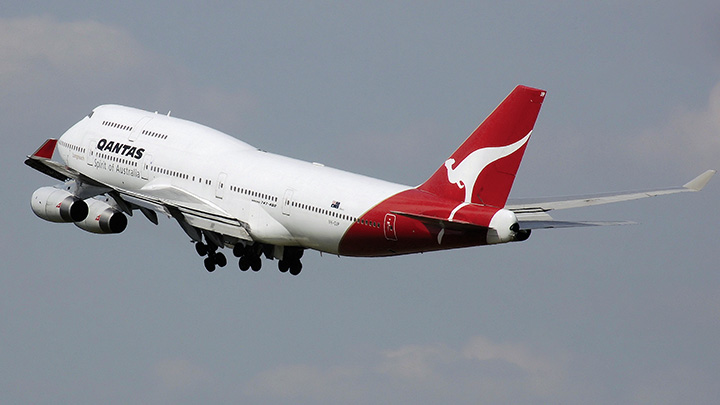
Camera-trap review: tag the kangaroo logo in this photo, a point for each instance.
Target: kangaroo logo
(467, 171)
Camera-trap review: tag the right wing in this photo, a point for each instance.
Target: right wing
(532, 213)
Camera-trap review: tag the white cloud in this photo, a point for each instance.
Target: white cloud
(546, 374)
(306, 382)
(64, 67)
(691, 136)
(174, 379)
(416, 362)
(481, 371)
(180, 374)
(34, 44)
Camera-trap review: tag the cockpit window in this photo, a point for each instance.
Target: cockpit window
(91, 114)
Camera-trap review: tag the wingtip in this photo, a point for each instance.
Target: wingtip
(700, 181)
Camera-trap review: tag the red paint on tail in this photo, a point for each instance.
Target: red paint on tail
(483, 168)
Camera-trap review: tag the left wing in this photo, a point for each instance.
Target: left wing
(532, 214)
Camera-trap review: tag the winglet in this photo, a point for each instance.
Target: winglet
(46, 150)
(700, 181)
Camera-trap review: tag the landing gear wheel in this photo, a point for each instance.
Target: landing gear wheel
(256, 263)
(220, 259)
(209, 264)
(283, 266)
(244, 263)
(238, 250)
(201, 249)
(295, 268)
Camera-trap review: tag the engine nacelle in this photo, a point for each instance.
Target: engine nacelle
(57, 205)
(102, 217)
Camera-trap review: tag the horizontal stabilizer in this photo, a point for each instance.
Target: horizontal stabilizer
(526, 225)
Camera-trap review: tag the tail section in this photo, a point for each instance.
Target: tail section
(483, 168)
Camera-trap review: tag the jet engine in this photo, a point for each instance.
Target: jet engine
(57, 205)
(103, 217)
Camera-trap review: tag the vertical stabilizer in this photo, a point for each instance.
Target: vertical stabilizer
(483, 168)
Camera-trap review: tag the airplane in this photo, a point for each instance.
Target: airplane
(225, 193)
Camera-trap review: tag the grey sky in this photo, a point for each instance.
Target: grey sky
(614, 315)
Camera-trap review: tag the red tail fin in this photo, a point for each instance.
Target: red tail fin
(483, 168)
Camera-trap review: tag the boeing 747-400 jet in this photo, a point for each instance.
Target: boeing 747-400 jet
(225, 193)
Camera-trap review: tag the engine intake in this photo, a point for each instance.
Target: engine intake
(57, 205)
(102, 218)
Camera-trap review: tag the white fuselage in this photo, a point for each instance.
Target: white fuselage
(281, 201)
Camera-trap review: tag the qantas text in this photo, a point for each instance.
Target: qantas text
(125, 150)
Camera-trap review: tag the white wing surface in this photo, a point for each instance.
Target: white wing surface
(533, 213)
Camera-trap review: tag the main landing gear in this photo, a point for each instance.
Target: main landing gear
(291, 261)
(214, 258)
(249, 257)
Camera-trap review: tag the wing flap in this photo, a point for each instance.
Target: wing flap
(187, 207)
(223, 228)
